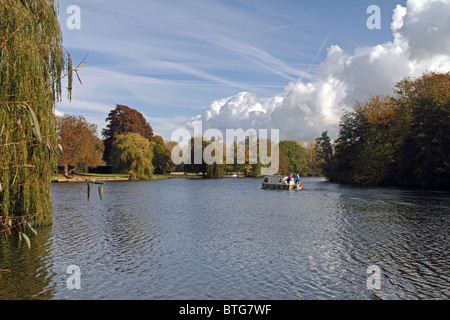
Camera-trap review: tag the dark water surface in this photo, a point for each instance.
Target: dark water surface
(229, 239)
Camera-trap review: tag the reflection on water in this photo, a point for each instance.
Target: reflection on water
(229, 239)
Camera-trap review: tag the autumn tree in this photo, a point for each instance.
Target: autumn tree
(402, 139)
(132, 154)
(283, 168)
(312, 159)
(80, 144)
(124, 119)
(173, 167)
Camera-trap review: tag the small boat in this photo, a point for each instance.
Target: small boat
(281, 182)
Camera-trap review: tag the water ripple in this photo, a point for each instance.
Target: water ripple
(228, 239)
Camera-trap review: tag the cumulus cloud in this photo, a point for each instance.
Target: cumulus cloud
(59, 113)
(304, 109)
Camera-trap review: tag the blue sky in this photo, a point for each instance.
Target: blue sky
(171, 59)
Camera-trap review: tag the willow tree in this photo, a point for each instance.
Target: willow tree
(132, 154)
(33, 64)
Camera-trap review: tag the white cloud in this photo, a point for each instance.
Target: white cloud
(59, 113)
(305, 109)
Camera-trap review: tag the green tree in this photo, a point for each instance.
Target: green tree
(124, 119)
(199, 167)
(216, 171)
(33, 63)
(376, 158)
(424, 159)
(325, 155)
(353, 128)
(161, 156)
(296, 156)
(132, 154)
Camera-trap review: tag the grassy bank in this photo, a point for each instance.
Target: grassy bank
(59, 178)
(177, 176)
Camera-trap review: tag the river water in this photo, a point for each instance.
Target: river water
(229, 239)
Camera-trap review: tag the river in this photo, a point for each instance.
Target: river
(229, 239)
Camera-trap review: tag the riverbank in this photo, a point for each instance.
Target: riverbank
(90, 176)
(118, 177)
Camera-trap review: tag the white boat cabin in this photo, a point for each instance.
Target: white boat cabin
(280, 182)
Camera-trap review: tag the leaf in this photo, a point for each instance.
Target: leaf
(20, 240)
(78, 77)
(1, 189)
(100, 191)
(60, 148)
(27, 240)
(31, 228)
(28, 166)
(35, 125)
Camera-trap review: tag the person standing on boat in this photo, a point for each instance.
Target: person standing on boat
(298, 181)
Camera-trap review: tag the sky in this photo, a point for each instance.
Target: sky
(291, 65)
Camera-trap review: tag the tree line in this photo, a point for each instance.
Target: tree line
(130, 146)
(392, 140)
(396, 140)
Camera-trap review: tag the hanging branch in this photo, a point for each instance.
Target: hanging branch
(21, 26)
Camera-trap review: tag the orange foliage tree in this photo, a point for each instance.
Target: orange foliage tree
(80, 144)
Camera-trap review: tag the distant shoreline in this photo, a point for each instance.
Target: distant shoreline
(117, 177)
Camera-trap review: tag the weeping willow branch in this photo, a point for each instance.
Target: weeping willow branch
(33, 63)
(21, 26)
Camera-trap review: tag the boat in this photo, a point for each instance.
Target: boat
(281, 182)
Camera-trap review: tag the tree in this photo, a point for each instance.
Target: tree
(376, 157)
(400, 140)
(312, 160)
(132, 154)
(325, 154)
(216, 171)
(283, 168)
(196, 167)
(177, 168)
(352, 134)
(80, 144)
(33, 64)
(124, 119)
(161, 156)
(424, 158)
(296, 157)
